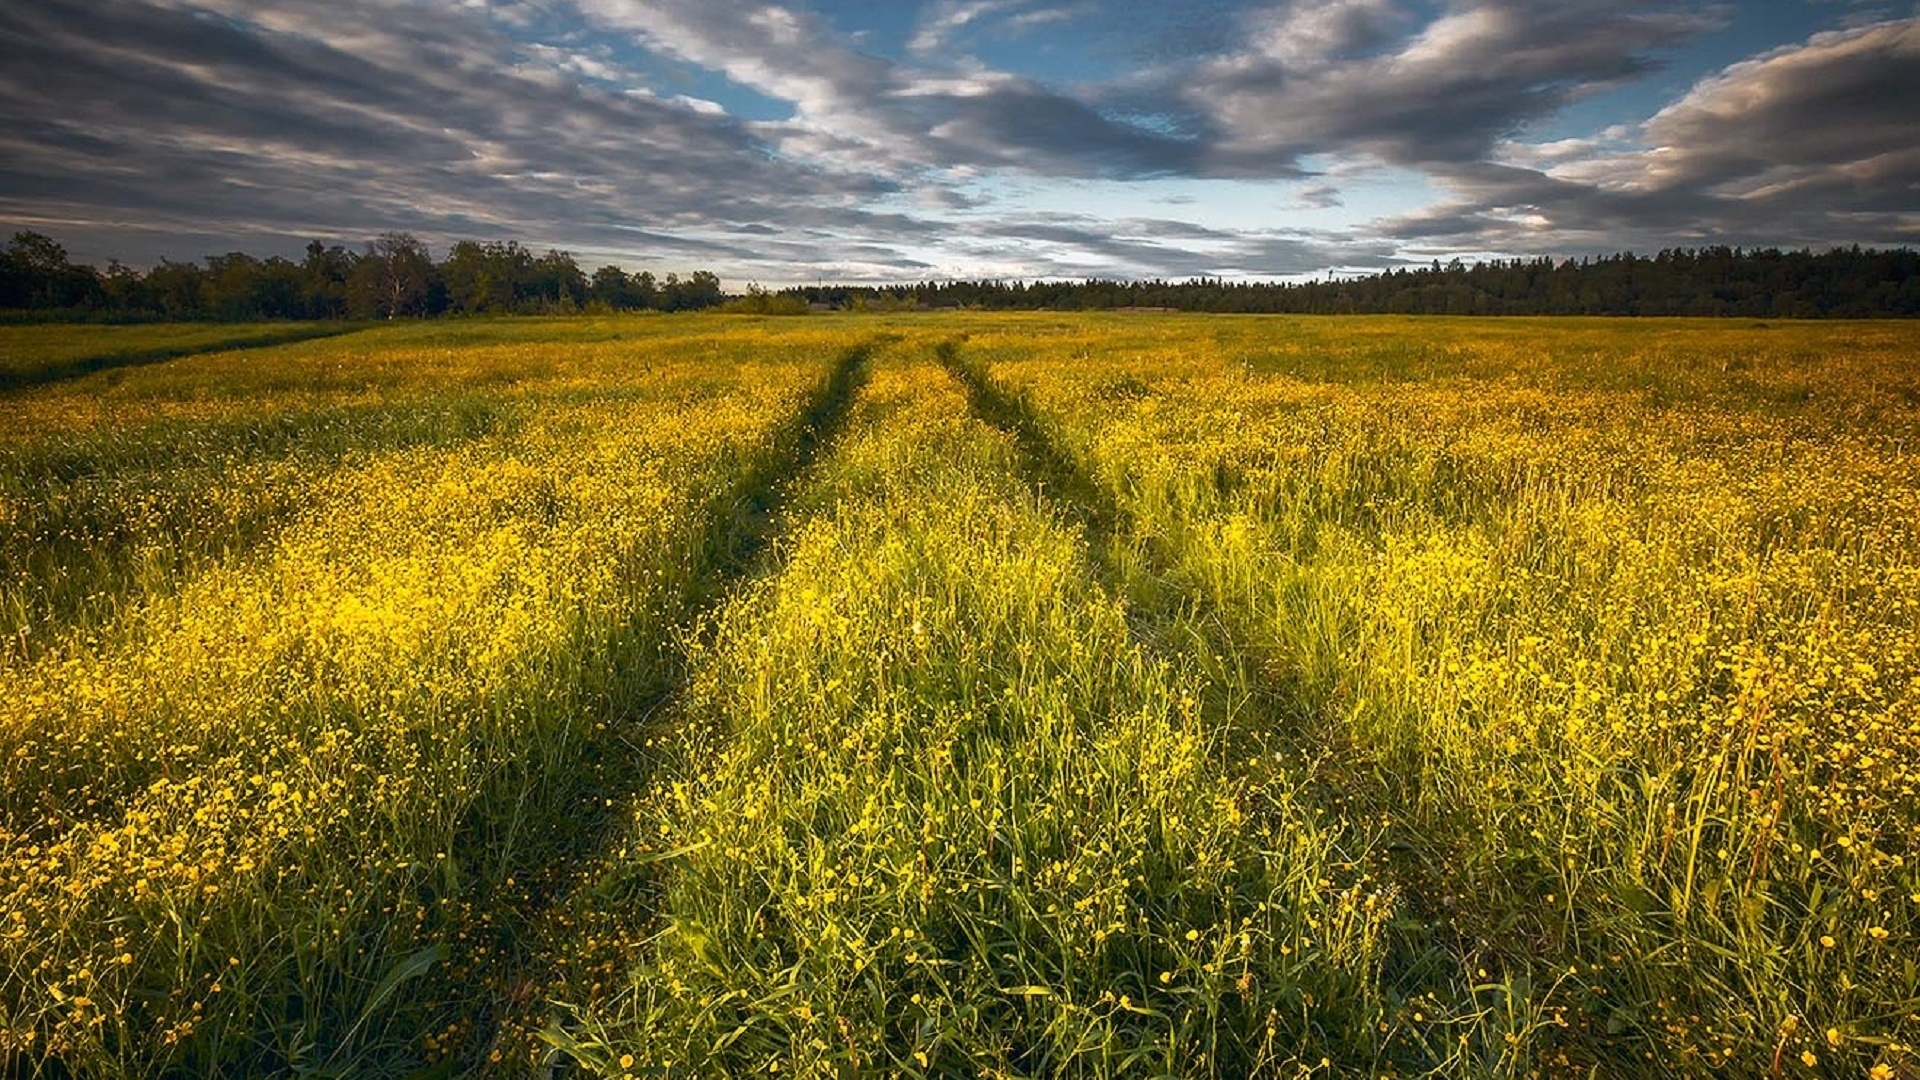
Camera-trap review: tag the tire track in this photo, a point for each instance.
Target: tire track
(1256, 710)
(743, 526)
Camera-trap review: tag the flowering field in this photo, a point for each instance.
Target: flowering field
(966, 695)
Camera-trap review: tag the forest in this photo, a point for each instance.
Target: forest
(396, 276)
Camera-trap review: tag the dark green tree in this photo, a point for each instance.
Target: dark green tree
(487, 277)
(323, 280)
(176, 290)
(559, 286)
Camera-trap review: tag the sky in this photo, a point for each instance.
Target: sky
(801, 141)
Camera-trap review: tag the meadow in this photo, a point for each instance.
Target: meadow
(961, 695)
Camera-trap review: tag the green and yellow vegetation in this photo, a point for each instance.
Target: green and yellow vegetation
(969, 695)
(47, 352)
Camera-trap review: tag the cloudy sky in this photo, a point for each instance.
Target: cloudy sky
(800, 140)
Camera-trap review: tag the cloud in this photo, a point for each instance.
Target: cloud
(1318, 196)
(1157, 247)
(293, 118)
(864, 111)
(944, 19)
(1811, 144)
(131, 127)
(1836, 112)
(1368, 77)
(1027, 20)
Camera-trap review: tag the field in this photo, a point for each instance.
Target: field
(961, 695)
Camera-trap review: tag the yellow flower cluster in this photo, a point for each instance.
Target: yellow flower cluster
(943, 810)
(1108, 694)
(256, 793)
(1629, 616)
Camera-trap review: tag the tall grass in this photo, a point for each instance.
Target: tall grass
(277, 819)
(128, 483)
(1163, 696)
(936, 812)
(32, 355)
(1637, 669)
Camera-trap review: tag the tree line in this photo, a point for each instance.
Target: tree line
(393, 277)
(396, 276)
(1712, 281)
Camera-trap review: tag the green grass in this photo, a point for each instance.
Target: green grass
(1624, 668)
(31, 355)
(933, 809)
(278, 817)
(1023, 695)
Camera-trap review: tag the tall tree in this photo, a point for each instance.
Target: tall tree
(35, 273)
(323, 280)
(176, 289)
(559, 284)
(395, 278)
(486, 277)
(611, 286)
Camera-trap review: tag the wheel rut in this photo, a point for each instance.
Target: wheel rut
(742, 528)
(1272, 714)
